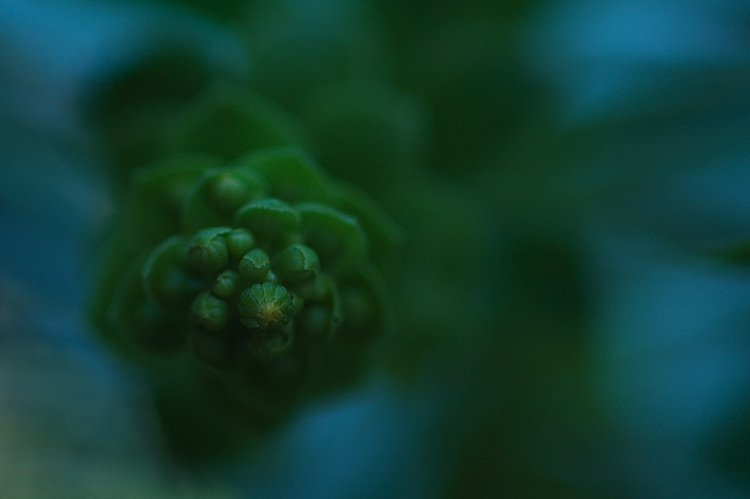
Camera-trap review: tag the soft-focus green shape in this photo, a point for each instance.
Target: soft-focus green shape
(164, 276)
(292, 174)
(368, 132)
(227, 122)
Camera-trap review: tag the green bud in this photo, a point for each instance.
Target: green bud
(265, 306)
(296, 264)
(268, 218)
(296, 305)
(321, 317)
(314, 290)
(207, 251)
(216, 196)
(254, 266)
(227, 192)
(226, 284)
(212, 312)
(239, 242)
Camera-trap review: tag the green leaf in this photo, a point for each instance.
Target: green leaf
(367, 133)
(166, 281)
(135, 326)
(336, 237)
(367, 305)
(383, 232)
(292, 174)
(228, 122)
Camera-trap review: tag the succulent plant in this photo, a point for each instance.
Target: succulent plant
(253, 283)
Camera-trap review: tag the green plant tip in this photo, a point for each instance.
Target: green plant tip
(226, 284)
(212, 312)
(227, 192)
(239, 242)
(255, 265)
(266, 306)
(208, 250)
(296, 264)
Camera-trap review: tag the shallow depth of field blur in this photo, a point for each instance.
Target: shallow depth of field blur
(574, 181)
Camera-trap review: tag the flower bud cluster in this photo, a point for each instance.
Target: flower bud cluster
(258, 275)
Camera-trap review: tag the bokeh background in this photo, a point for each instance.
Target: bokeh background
(574, 182)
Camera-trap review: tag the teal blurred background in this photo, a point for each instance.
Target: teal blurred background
(573, 180)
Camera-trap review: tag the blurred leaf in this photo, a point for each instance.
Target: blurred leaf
(228, 122)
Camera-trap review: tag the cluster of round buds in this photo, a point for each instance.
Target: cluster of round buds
(261, 276)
